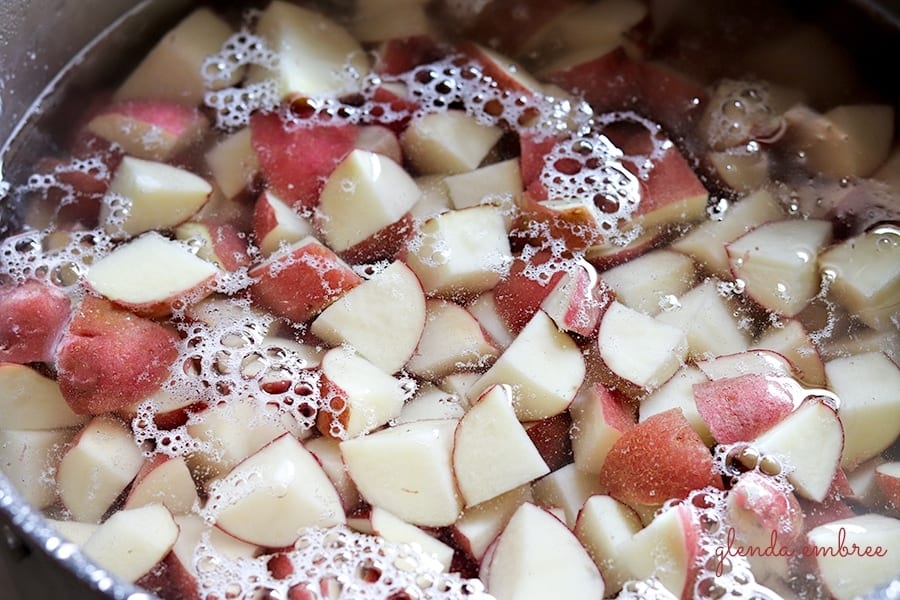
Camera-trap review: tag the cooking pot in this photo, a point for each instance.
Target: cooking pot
(50, 49)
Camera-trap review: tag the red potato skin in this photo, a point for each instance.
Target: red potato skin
(833, 507)
(671, 180)
(608, 82)
(617, 412)
(518, 296)
(774, 508)
(532, 151)
(741, 408)
(551, 438)
(509, 24)
(230, 249)
(296, 162)
(32, 317)
(292, 285)
(889, 487)
(388, 243)
(110, 358)
(169, 116)
(336, 409)
(76, 195)
(658, 459)
(401, 55)
(119, 121)
(614, 81)
(402, 106)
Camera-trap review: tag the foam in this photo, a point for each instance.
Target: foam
(54, 257)
(233, 105)
(362, 566)
(742, 111)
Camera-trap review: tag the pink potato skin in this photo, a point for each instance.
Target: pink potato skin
(298, 286)
(110, 358)
(656, 460)
(32, 316)
(155, 129)
(741, 408)
(229, 246)
(296, 162)
(519, 296)
(772, 507)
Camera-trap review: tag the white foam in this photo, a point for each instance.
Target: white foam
(364, 567)
(54, 257)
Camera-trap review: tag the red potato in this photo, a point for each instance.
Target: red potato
(151, 275)
(672, 193)
(32, 316)
(847, 574)
(577, 301)
(599, 418)
(833, 507)
(533, 149)
(163, 480)
(149, 128)
(551, 438)
(276, 223)
(566, 489)
(284, 502)
(296, 160)
(508, 75)
(603, 525)
(662, 194)
(179, 576)
(361, 396)
(146, 195)
(811, 473)
(109, 358)
(492, 454)
(32, 401)
(510, 25)
(99, 464)
(479, 525)
(741, 408)
(173, 68)
(380, 140)
(536, 556)
(388, 305)
(757, 504)
(761, 510)
(363, 211)
(132, 542)
(318, 58)
(668, 548)
(377, 521)
(222, 244)
(610, 79)
(400, 55)
(887, 478)
(606, 77)
(301, 280)
(519, 295)
(658, 459)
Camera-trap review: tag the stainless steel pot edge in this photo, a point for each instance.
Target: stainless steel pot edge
(36, 531)
(26, 522)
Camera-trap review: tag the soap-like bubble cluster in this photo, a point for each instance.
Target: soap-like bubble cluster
(228, 351)
(740, 112)
(59, 179)
(333, 563)
(56, 257)
(233, 104)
